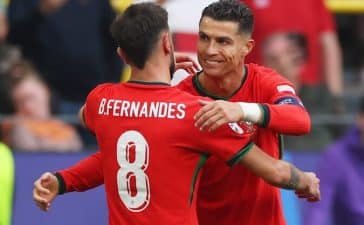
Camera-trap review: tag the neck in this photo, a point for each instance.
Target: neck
(152, 72)
(224, 86)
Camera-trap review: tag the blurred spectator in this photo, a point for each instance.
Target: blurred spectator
(32, 127)
(342, 180)
(6, 184)
(286, 52)
(9, 55)
(312, 19)
(69, 42)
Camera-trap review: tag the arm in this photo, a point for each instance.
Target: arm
(283, 118)
(282, 174)
(332, 67)
(83, 176)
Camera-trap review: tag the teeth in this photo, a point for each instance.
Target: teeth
(212, 61)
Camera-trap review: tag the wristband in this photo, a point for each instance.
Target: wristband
(252, 112)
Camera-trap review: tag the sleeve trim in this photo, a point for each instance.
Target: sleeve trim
(266, 115)
(61, 184)
(240, 154)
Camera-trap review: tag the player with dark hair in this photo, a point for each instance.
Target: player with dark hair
(139, 166)
(258, 96)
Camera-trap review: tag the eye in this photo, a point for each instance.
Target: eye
(203, 37)
(223, 41)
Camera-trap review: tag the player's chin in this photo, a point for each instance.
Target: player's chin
(213, 71)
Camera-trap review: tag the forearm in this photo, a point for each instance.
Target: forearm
(278, 173)
(332, 63)
(84, 175)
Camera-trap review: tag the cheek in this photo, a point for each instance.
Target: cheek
(232, 55)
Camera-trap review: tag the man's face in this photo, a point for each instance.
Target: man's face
(284, 56)
(220, 48)
(31, 99)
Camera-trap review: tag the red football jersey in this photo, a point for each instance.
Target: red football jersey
(235, 196)
(292, 16)
(151, 152)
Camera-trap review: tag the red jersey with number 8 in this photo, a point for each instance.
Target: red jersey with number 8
(152, 152)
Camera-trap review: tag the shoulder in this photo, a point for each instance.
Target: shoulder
(101, 89)
(269, 78)
(186, 83)
(265, 73)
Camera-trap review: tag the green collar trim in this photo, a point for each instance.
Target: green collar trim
(148, 83)
(203, 92)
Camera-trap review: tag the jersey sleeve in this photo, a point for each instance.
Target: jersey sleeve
(283, 110)
(92, 104)
(229, 142)
(84, 175)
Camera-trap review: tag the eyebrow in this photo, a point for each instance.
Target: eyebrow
(218, 37)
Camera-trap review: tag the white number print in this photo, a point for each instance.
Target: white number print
(133, 183)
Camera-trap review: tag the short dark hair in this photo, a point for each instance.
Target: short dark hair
(138, 29)
(231, 10)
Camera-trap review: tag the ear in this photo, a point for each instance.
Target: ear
(122, 55)
(167, 43)
(248, 47)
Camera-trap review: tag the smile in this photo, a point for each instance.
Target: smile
(213, 62)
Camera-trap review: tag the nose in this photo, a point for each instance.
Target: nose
(211, 48)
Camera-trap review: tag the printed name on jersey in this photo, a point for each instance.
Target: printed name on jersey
(289, 100)
(123, 108)
(286, 88)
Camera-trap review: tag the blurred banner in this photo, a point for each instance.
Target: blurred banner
(89, 208)
(346, 6)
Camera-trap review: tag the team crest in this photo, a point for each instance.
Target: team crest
(236, 128)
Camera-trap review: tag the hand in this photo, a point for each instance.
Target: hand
(49, 6)
(45, 190)
(186, 62)
(213, 114)
(312, 191)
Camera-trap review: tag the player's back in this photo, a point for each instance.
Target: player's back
(150, 151)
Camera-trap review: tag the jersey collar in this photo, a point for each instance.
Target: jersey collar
(203, 92)
(147, 83)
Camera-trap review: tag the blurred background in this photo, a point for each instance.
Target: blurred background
(53, 52)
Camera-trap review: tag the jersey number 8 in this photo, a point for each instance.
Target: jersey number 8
(133, 183)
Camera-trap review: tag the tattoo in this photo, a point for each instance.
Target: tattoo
(294, 180)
